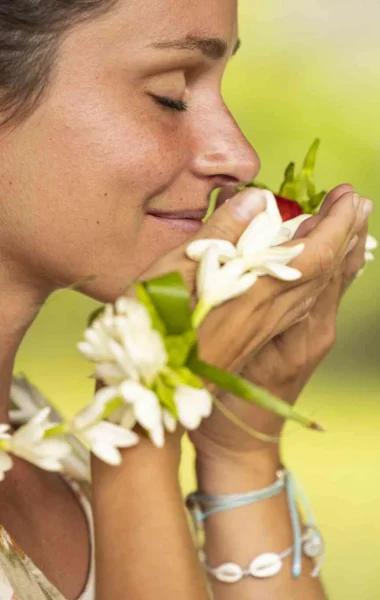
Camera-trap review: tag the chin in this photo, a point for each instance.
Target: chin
(156, 239)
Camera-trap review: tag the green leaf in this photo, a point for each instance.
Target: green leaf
(171, 300)
(311, 157)
(246, 390)
(143, 296)
(288, 187)
(311, 188)
(188, 378)
(165, 392)
(289, 190)
(178, 347)
(290, 172)
(211, 206)
(181, 376)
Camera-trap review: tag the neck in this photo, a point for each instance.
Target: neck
(20, 301)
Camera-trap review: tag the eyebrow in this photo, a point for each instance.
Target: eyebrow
(213, 48)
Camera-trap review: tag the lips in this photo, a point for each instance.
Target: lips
(186, 220)
(190, 215)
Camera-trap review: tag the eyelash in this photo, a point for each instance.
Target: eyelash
(177, 105)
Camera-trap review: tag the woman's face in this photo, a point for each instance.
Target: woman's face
(103, 178)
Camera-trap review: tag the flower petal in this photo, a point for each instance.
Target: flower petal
(279, 254)
(258, 236)
(169, 421)
(221, 282)
(293, 224)
(107, 453)
(53, 448)
(240, 287)
(283, 236)
(371, 243)
(94, 411)
(192, 404)
(122, 358)
(282, 272)
(109, 373)
(135, 311)
(197, 249)
(111, 434)
(368, 256)
(272, 207)
(45, 462)
(157, 435)
(208, 268)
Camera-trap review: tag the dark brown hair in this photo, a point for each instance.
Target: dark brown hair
(30, 32)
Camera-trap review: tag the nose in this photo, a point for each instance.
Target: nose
(223, 154)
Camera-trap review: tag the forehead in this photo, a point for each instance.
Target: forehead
(155, 19)
(125, 38)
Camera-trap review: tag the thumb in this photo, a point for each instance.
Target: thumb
(232, 218)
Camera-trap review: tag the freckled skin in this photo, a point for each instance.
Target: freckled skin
(100, 151)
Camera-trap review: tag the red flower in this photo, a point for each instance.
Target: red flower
(289, 209)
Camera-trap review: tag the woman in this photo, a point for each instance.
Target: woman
(113, 136)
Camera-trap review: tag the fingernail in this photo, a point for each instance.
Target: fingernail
(248, 203)
(356, 200)
(352, 244)
(367, 207)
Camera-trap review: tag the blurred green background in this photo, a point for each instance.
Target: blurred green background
(304, 70)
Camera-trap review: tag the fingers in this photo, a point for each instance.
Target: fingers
(306, 227)
(326, 244)
(334, 195)
(354, 261)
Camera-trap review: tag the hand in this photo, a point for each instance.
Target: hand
(267, 308)
(284, 364)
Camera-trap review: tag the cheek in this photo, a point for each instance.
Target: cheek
(84, 176)
(120, 138)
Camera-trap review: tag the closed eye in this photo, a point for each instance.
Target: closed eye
(178, 105)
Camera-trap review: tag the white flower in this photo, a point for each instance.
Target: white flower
(169, 421)
(93, 412)
(146, 410)
(193, 405)
(129, 355)
(273, 261)
(123, 344)
(289, 229)
(258, 244)
(371, 244)
(227, 271)
(28, 443)
(218, 283)
(104, 439)
(6, 462)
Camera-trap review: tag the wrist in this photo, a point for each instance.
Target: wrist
(237, 473)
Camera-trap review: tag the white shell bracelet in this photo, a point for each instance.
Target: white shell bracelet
(265, 565)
